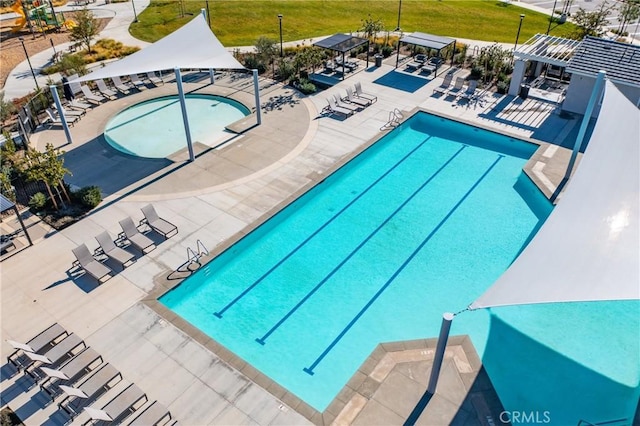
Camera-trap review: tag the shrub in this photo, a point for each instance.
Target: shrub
(387, 51)
(90, 196)
(37, 201)
(252, 63)
(502, 87)
(477, 72)
(307, 87)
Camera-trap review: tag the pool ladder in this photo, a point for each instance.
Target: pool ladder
(395, 117)
(193, 256)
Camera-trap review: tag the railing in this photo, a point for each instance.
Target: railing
(395, 117)
(193, 256)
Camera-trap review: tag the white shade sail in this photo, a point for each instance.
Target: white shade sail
(589, 247)
(191, 46)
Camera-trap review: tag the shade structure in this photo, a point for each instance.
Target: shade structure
(588, 249)
(341, 42)
(191, 46)
(429, 41)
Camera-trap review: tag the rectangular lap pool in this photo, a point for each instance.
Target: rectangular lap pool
(420, 223)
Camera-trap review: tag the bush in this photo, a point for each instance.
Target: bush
(90, 196)
(387, 51)
(502, 87)
(307, 87)
(252, 63)
(38, 201)
(477, 72)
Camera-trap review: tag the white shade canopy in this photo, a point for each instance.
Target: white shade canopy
(589, 248)
(191, 46)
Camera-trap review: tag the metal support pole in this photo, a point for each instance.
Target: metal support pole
(281, 50)
(553, 12)
(208, 14)
(399, 13)
(63, 119)
(29, 62)
(518, 35)
(55, 54)
(256, 89)
(135, 15)
(447, 317)
(185, 118)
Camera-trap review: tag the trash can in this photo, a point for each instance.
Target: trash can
(524, 91)
(378, 59)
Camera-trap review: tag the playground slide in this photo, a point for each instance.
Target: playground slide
(21, 20)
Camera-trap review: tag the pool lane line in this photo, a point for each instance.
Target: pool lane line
(309, 370)
(262, 339)
(317, 231)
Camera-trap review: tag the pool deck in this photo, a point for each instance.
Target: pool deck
(225, 193)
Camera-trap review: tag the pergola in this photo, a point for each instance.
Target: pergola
(343, 43)
(429, 41)
(6, 204)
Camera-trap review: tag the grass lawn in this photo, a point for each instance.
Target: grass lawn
(241, 22)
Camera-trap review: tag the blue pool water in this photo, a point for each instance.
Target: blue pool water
(154, 128)
(419, 224)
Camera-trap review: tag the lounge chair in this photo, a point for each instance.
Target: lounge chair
(152, 415)
(131, 233)
(67, 113)
(90, 389)
(158, 224)
(470, 93)
(154, 79)
(62, 351)
(70, 372)
(341, 104)
(90, 265)
(355, 100)
(136, 82)
(90, 96)
(77, 105)
(444, 86)
(361, 94)
(335, 109)
(118, 84)
(102, 88)
(112, 251)
(38, 344)
(457, 87)
(120, 407)
(54, 119)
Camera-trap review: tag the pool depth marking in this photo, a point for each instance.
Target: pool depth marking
(316, 232)
(309, 370)
(262, 339)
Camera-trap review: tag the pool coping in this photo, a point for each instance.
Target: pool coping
(165, 282)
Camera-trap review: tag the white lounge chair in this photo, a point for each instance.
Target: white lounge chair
(335, 109)
(77, 105)
(131, 233)
(90, 265)
(361, 94)
(470, 93)
(118, 84)
(90, 96)
(112, 251)
(102, 87)
(136, 82)
(54, 119)
(457, 87)
(154, 79)
(158, 224)
(355, 100)
(341, 104)
(67, 113)
(445, 85)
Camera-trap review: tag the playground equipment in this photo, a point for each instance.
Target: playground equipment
(42, 14)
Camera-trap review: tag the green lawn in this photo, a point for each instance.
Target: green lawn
(241, 22)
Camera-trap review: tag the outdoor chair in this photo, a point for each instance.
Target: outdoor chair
(90, 389)
(6, 243)
(89, 264)
(335, 109)
(118, 84)
(112, 251)
(354, 100)
(75, 87)
(77, 105)
(59, 353)
(361, 94)
(119, 408)
(152, 415)
(341, 104)
(457, 87)
(413, 66)
(67, 113)
(131, 233)
(154, 79)
(90, 96)
(54, 119)
(158, 224)
(445, 85)
(70, 372)
(470, 93)
(102, 88)
(38, 344)
(136, 82)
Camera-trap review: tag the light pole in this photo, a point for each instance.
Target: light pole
(518, 35)
(29, 62)
(135, 15)
(208, 14)
(280, 19)
(553, 12)
(399, 12)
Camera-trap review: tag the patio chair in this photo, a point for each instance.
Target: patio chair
(136, 82)
(333, 108)
(470, 93)
(154, 79)
(77, 105)
(457, 87)
(54, 119)
(158, 224)
(89, 264)
(354, 100)
(361, 94)
(118, 84)
(59, 353)
(38, 344)
(67, 113)
(341, 104)
(413, 66)
(445, 85)
(152, 415)
(119, 408)
(70, 372)
(102, 88)
(112, 251)
(90, 389)
(90, 96)
(131, 233)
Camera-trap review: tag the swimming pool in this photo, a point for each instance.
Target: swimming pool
(154, 128)
(420, 223)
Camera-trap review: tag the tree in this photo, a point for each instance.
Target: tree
(592, 23)
(629, 12)
(47, 167)
(86, 28)
(371, 27)
(7, 108)
(266, 49)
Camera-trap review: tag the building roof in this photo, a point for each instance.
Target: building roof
(621, 61)
(548, 49)
(427, 40)
(341, 42)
